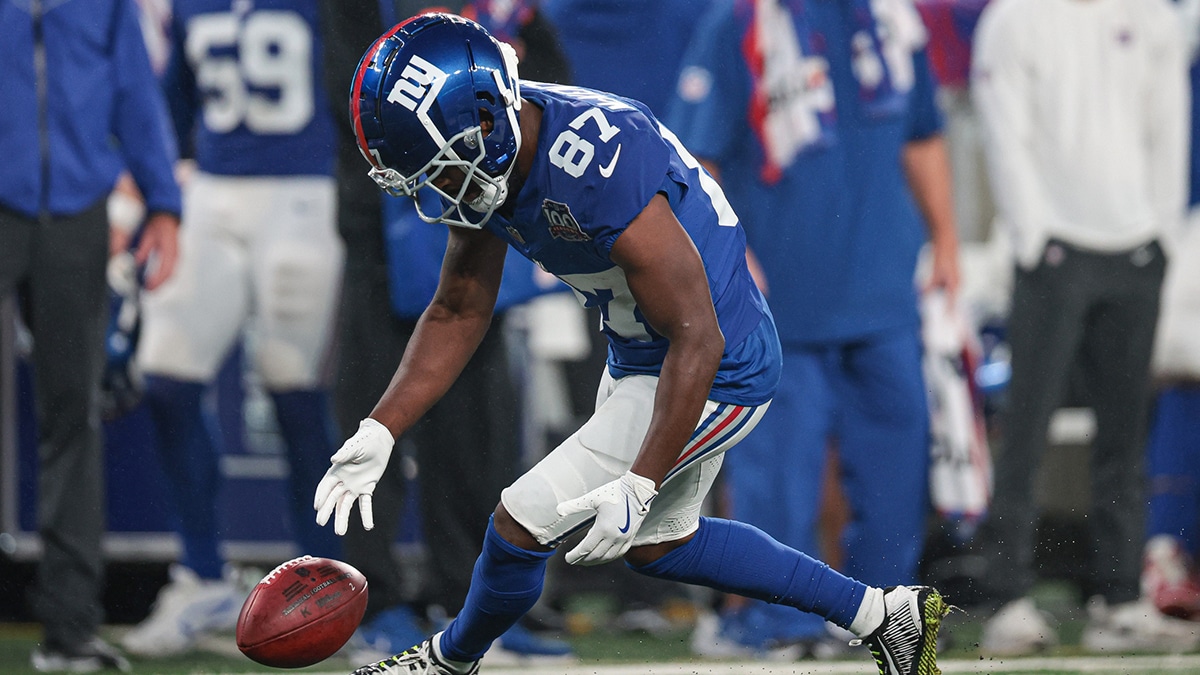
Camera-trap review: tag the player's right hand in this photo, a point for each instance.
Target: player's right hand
(355, 470)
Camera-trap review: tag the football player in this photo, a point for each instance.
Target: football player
(258, 243)
(594, 190)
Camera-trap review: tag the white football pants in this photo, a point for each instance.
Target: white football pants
(604, 448)
(254, 252)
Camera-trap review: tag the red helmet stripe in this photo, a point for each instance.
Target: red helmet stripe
(355, 100)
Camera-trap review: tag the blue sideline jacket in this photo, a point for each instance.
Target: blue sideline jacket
(90, 107)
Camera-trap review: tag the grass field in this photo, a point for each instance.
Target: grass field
(605, 653)
(602, 650)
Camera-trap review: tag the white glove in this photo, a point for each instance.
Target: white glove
(357, 467)
(620, 507)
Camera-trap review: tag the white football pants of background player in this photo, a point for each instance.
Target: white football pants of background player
(261, 248)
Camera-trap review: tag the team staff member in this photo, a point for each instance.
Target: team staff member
(1083, 107)
(74, 77)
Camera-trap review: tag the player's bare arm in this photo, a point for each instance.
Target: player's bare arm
(667, 278)
(927, 167)
(446, 336)
(449, 330)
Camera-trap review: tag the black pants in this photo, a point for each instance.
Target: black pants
(1096, 312)
(59, 263)
(467, 447)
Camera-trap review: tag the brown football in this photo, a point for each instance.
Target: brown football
(302, 612)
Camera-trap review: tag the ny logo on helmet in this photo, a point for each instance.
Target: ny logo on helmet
(421, 80)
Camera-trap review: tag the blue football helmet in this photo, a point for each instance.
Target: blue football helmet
(419, 102)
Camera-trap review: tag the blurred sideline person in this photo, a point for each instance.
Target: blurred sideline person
(76, 77)
(1170, 577)
(1084, 107)
(467, 446)
(258, 249)
(599, 194)
(819, 120)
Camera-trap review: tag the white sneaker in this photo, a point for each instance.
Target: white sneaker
(1136, 627)
(86, 657)
(644, 620)
(1016, 630)
(186, 609)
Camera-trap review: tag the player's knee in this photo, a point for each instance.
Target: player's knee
(531, 503)
(513, 532)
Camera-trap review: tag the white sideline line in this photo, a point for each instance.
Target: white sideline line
(1189, 663)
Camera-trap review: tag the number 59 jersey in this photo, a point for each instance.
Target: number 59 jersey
(600, 160)
(245, 87)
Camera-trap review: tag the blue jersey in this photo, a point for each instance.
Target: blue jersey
(246, 89)
(600, 160)
(627, 47)
(836, 229)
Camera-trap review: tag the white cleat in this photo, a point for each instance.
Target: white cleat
(1136, 627)
(187, 609)
(1018, 629)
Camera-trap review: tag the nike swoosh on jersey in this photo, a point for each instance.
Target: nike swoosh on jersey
(607, 170)
(625, 529)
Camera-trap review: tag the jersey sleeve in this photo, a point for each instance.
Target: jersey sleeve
(924, 115)
(708, 108)
(140, 120)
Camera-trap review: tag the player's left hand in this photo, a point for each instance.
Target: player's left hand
(620, 507)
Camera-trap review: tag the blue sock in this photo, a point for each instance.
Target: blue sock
(306, 423)
(188, 453)
(1173, 466)
(506, 584)
(734, 557)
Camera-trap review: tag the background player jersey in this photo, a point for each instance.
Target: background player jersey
(652, 36)
(842, 267)
(245, 87)
(600, 160)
